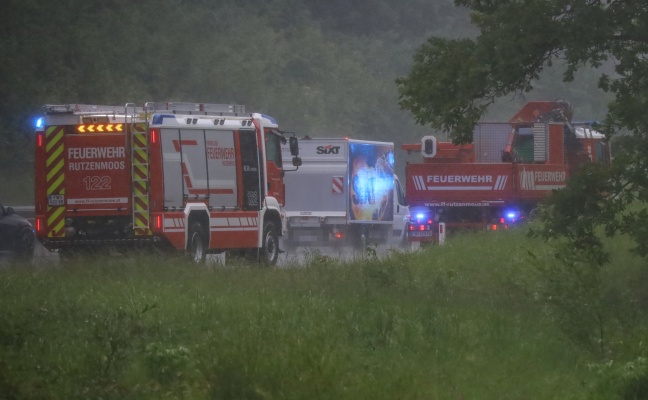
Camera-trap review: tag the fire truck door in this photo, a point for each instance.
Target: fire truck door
(199, 166)
(250, 170)
(274, 167)
(193, 164)
(172, 158)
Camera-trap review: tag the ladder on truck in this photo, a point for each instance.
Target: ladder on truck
(194, 108)
(140, 169)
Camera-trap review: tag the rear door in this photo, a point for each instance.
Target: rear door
(97, 172)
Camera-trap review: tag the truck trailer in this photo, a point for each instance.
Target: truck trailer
(193, 177)
(499, 179)
(344, 193)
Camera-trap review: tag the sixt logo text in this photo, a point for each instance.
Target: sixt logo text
(330, 149)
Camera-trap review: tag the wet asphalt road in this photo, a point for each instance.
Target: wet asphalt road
(289, 257)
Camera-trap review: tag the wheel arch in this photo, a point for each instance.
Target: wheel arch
(272, 215)
(201, 216)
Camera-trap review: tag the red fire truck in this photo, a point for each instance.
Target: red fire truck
(200, 178)
(499, 178)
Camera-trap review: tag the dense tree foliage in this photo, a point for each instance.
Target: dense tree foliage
(453, 82)
(320, 68)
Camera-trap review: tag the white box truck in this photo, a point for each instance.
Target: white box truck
(344, 193)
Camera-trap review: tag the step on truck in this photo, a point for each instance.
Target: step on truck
(197, 178)
(344, 193)
(499, 179)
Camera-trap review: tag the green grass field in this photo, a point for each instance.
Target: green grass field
(474, 319)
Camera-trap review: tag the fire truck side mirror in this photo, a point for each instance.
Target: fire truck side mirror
(428, 146)
(294, 146)
(296, 161)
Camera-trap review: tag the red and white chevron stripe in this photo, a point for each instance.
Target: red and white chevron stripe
(338, 182)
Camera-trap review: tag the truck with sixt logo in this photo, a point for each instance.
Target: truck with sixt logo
(344, 193)
(501, 177)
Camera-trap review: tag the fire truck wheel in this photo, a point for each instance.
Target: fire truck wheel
(270, 249)
(196, 243)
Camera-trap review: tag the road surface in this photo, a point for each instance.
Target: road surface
(298, 256)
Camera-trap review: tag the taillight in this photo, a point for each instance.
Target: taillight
(155, 136)
(39, 138)
(39, 224)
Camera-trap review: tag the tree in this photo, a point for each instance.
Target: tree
(453, 82)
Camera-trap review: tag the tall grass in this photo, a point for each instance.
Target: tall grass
(467, 320)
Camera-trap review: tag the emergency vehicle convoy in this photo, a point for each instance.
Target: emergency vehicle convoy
(199, 178)
(502, 176)
(345, 192)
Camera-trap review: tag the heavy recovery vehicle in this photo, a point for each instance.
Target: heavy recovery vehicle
(500, 178)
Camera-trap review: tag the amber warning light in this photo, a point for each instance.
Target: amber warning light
(100, 128)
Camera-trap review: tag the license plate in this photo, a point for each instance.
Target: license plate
(420, 234)
(56, 200)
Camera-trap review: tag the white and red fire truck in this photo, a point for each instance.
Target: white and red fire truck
(198, 178)
(499, 178)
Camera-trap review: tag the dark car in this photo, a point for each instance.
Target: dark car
(16, 235)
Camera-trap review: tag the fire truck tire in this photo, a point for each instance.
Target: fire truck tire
(196, 243)
(270, 250)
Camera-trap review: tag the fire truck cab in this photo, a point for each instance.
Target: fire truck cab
(199, 178)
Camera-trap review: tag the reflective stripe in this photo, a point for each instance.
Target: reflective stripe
(55, 178)
(140, 176)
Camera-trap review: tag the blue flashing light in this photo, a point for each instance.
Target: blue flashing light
(274, 121)
(158, 119)
(420, 216)
(40, 122)
(512, 215)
